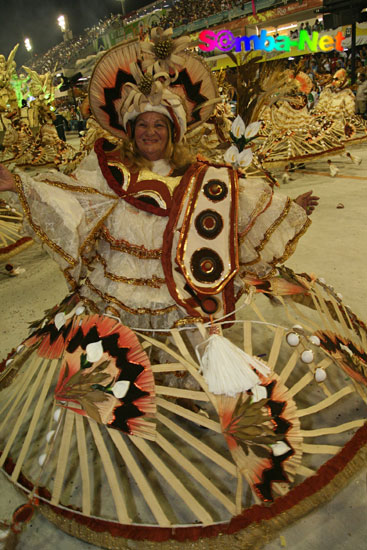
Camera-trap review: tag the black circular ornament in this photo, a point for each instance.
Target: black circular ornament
(215, 190)
(206, 265)
(209, 224)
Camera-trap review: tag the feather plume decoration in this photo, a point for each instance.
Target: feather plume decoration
(246, 83)
(254, 84)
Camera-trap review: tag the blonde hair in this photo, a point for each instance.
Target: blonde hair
(178, 155)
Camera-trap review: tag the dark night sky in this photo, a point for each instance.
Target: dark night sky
(37, 20)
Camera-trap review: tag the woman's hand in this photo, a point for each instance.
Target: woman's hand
(7, 182)
(307, 201)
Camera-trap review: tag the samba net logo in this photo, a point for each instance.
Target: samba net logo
(225, 41)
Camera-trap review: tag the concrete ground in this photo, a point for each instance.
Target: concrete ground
(333, 248)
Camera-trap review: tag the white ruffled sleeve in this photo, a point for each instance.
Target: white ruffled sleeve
(65, 212)
(269, 227)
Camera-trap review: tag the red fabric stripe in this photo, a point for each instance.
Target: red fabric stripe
(11, 247)
(115, 186)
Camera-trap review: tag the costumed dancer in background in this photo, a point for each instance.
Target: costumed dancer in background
(148, 235)
(337, 103)
(294, 136)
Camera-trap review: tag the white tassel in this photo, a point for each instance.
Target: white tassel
(227, 369)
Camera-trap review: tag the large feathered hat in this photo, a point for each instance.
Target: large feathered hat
(154, 75)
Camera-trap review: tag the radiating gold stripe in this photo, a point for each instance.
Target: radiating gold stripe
(78, 188)
(288, 251)
(138, 311)
(36, 228)
(91, 238)
(274, 225)
(264, 198)
(154, 282)
(134, 249)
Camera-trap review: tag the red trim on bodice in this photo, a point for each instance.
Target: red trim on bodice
(153, 185)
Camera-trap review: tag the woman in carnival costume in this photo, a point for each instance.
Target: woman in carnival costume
(292, 133)
(337, 103)
(149, 236)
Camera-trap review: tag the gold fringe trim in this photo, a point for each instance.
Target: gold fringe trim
(264, 197)
(91, 237)
(290, 246)
(134, 249)
(78, 189)
(36, 228)
(92, 306)
(268, 233)
(274, 226)
(288, 251)
(154, 282)
(253, 537)
(112, 311)
(133, 311)
(69, 278)
(188, 321)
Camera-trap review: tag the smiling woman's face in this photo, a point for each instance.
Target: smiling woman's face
(151, 135)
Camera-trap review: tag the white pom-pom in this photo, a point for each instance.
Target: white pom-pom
(320, 375)
(57, 414)
(79, 310)
(315, 340)
(41, 459)
(50, 435)
(227, 369)
(307, 356)
(292, 339)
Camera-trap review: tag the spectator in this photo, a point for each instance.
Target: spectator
(361, 96)
(60, 123)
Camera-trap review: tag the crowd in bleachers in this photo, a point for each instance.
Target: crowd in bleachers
(68, 51)
(329, 63)
(183, 12)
